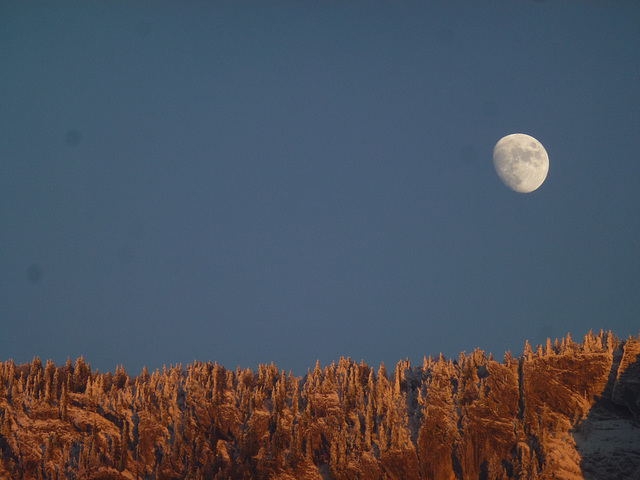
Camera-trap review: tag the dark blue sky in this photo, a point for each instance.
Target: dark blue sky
(302, 181)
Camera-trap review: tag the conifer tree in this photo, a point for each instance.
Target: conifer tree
(528, 352)
(508, 358)
(611, 342)
(89, 387)
(599, 340)
(81, 373)
(549, 348)
(121, 378)
(49, 374)
(370, 423)
(569, 345)
(468, 390)
(98, 387)
(144, 376)
(36, 368)
(64, 400)
(382, 372)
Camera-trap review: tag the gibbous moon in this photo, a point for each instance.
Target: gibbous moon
(521, 162)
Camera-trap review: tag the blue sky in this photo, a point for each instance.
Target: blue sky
(248, 183)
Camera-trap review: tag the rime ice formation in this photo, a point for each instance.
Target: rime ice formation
(563, 411)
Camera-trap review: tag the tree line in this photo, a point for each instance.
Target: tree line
(470, 417)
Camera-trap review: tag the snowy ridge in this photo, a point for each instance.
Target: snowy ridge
(563, 411)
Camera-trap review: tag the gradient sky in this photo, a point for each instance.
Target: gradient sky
(295, 181)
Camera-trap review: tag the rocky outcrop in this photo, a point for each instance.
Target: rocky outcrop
(626, 389)
(565, 411)
(608, 436)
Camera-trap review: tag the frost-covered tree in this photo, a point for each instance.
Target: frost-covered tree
(528, 352)
(549, 348)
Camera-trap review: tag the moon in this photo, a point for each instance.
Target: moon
(521, 162)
